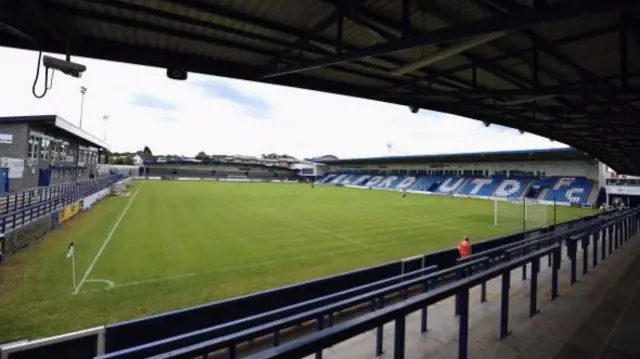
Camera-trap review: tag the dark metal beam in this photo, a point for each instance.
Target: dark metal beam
(511, 7)
(372, 17)
(556, 12)
(303, 41)
(90, 14)
(544, 46)
(584, 73)
(443, 80)
(117, 20)
(146, 10)
(492, 68)
(520, 52)
(529, 92)
(372, 26)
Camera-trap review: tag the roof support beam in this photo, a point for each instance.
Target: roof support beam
(303, 41)
(544, 46)
(146, 10)
(99, 16)
(558, 11)
(590, 91)
(444, 80)
(520, 52)
(448, 52)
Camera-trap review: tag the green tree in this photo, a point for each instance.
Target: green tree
(122, 160)
(202, 156)
(146, 153)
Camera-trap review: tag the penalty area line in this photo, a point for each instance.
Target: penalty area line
(106, 241)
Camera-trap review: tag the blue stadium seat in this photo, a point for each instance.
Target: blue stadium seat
(564, 189)
(569, 189)
(451, 185)
(480, 186)
(512, 187)
(425, 183)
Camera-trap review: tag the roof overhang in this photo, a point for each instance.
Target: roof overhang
(539, 155)
(562, 69)
(60, 124)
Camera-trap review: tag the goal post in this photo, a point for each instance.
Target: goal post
(519, 213)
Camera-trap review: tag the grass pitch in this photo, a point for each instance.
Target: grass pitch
(171, 244)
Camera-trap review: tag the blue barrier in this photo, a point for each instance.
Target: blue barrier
(26, 206)
(526, 253)
(245, 323)
(375, 298)
(314, 343)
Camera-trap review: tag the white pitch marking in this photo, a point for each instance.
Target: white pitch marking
(110, 284)
(246, 266)
(106, 241)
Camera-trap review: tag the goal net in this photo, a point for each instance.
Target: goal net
(519, 213)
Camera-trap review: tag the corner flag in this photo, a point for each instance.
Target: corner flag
(70, 250)
(71, 254)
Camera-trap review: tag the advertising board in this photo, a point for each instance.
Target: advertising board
(69, 211)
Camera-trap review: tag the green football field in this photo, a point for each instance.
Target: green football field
(171, 244)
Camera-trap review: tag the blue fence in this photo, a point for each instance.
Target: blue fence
(18, 209)
(328, 301)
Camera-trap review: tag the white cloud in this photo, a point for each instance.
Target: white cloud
(189, 118)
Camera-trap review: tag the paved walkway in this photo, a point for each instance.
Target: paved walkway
(612, 330)
(597, 300)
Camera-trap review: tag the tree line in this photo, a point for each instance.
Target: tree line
(127, 158)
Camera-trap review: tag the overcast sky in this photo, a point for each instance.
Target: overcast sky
(223, 116)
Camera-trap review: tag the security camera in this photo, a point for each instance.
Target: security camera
(414, 109)
(521, 132)
(177, 73)
(66, 67)
(486, 124)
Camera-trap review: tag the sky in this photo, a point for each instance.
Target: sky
(225, 116)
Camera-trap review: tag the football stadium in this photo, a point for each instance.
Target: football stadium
(528, 253)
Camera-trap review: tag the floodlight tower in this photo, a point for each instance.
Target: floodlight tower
(83, 91)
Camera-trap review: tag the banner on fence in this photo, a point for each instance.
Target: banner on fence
(69, 211)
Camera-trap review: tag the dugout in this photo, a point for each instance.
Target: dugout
(43, 150)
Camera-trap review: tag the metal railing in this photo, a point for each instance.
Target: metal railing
(470, 273)
(27, 206)
(254, 327)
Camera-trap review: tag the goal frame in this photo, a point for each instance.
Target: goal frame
(523, 202)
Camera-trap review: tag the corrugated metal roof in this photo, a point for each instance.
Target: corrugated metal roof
(550, 154)
(557, 72)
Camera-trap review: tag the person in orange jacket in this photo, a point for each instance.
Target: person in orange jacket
(464, 247)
